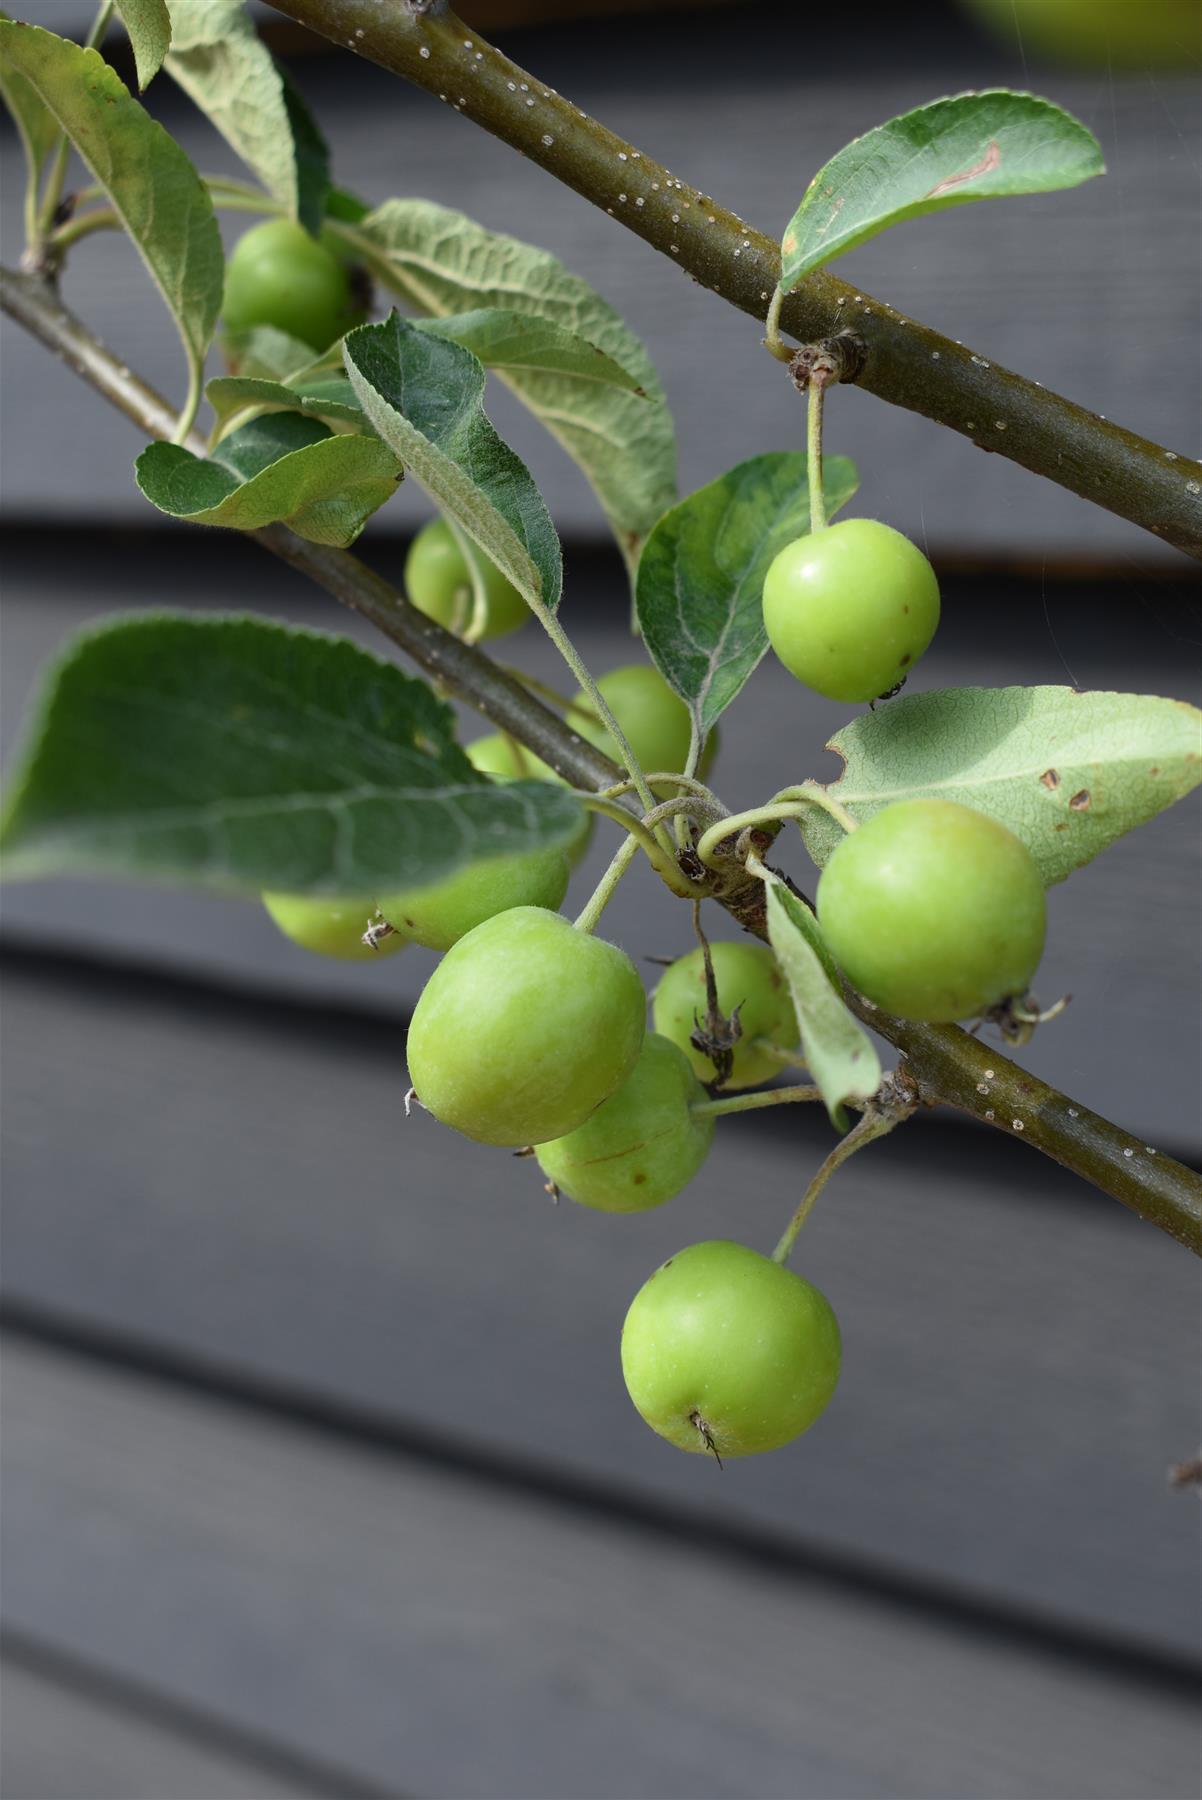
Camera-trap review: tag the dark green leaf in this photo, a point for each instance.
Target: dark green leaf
(312, 155)
(834, 1046)
(1067, 772)
(240, 755)
(148, 24)
(441, 262)
(701, 574)
(972, 147)
(160, 198)
(279, 468)
(342, 204)
(423, 395)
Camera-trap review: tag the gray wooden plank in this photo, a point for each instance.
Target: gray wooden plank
(1124, 937)
(1059, 287)
(61, 1742)
(397, 1620)
(1020, 1355)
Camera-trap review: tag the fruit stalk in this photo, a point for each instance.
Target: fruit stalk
(948, 1065)
(906, 363)
(876, 1122)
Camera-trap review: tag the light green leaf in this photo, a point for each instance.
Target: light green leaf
(148, 24)
(279, 469)
(263, 352)
(160, 198)
(331, 399)
(36, 124)
(423, 395)
(972, 147)
(835, 1048)
(701, 574)
(240, 755)
(441, 262)
(1067, 772)
(221, 63)
(504, 339)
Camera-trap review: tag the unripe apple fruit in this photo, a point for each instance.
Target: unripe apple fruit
(278, 275)
(851, 608)
(524, 1028)
(439, 915)
(654, 719)
(746, 977)
(642, 1145)
(439, 583)
(726, 1351)
(329, 927)
(933, 911)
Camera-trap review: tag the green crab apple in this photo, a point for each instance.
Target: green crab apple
(654, 719)
(330, 927)
(278, 275)
(747, 978)
(851, 608)
(508, 760)
(642, 1145)
(1106, 33)
(439, 915)
(439, 583)
(524, 1028)
(934, 911)
(725, 1351)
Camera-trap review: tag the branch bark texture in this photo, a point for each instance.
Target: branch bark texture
(946, 1065)
(907, 363)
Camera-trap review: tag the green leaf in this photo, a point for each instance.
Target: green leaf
(240, 755)
(279, 469)
(1067, 772)
(441, 262)
(972, 147)
(331, 399)
(701, 574)
(148, 25)
(264, 352)
(423, 395)
(504, 339)
(36, 124)
(836, 1049)
(312, 155)
(219, 60)
(160, 198)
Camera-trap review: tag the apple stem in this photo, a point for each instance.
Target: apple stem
(733, 1103)
(875, 1123)
(814, 453)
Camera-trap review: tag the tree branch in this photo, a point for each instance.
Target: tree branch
(907, 364)
(945, 1064)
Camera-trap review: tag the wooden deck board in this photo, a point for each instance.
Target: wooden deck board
(396, 1621)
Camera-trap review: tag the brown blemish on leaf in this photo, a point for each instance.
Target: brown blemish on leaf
(991, 160)
(1050, 778)
(1080, 801)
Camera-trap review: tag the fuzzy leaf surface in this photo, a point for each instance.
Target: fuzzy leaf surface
(237, 754)
(442, 262)
(836, 1049)
(1067, 772)
(222, 64)
(970, 147)
(282, 468)
(424, 396)
(35, 123)
(701, 574)
(148, 26)
(158, 195)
